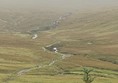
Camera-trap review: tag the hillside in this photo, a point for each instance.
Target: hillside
(24, 21)
(91, 35)
(82, 38)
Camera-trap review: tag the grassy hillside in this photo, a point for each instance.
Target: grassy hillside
(24, 20)
(89, 38)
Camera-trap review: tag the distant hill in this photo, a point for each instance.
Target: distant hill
(91, 35)
(52, 43)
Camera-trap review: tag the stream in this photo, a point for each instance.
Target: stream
(53, 25)
(34, 36)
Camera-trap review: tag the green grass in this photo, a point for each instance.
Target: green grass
(59, 79)
(91, 39)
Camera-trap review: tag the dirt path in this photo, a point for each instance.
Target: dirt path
(62, 56)
(53, 25)
(13, 76)
(25, 71)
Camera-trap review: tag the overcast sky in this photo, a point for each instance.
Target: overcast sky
(67, 4)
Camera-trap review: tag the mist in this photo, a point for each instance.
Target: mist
(58, 4)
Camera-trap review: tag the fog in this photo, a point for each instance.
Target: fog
(58, 4)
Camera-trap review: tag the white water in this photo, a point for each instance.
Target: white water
(62, 56)
(34, 36)
(55, 23)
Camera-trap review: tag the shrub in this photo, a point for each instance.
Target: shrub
(87, 78)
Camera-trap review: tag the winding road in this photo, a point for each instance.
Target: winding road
(62, 56)
(34, 36)
(53, 25)
(25, 71)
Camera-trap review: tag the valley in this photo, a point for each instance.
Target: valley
(48, 46)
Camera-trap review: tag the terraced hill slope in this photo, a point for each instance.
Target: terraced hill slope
(84, 39)
(90, 36)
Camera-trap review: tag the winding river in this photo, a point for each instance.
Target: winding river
(34, 36)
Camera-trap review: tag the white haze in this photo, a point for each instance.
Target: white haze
(58, 4)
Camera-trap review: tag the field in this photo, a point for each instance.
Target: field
(83, 39)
